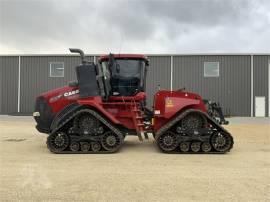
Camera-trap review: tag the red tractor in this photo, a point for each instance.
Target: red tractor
(108, 102)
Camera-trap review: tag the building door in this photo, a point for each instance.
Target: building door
(259, 106)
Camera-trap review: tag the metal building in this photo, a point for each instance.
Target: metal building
(239, 82)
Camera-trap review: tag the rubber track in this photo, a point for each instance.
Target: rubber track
(100, 118)
(171, 123)
(65, 112)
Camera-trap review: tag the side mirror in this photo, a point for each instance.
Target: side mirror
(147, 62)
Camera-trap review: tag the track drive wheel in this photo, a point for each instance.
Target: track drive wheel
(111, 141)
(58, 142)
(167, 141)
(221, 142)
(86, 122)
(193, 121)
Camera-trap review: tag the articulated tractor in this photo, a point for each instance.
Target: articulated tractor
(108, 102)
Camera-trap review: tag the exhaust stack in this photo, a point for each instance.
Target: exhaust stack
(76, 50)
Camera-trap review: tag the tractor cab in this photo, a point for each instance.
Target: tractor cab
(124, 74)
(114, 76)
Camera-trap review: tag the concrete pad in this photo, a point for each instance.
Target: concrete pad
(249, 120)
(138, 172)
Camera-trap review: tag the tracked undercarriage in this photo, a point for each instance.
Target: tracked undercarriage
(85, 131)
(194, 132)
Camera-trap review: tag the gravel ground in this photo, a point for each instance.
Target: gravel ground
(138, 172)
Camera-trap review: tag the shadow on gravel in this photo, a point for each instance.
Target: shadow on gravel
(14, 140)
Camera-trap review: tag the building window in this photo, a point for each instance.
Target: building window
(57, 69)
(211, 69)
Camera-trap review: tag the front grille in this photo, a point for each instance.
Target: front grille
(46, 116)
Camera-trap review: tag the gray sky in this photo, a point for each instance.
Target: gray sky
(141, 26)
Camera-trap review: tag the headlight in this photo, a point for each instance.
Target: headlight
(36, 114)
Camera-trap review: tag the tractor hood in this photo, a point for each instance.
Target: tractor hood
(48, 104)
(61, 97)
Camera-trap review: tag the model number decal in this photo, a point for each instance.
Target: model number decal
(71, 93)
(54, 99)
(169, 102)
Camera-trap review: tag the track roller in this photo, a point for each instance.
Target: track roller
(95, 146)
(184, 146)
(206, 147)
(85, 146)
(74, 146)
(195, 146)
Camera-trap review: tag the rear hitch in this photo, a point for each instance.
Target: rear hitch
(215, 111)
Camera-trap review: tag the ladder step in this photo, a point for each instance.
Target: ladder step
(139, 117)
(140, 124)
(146, 135)
(140, 136)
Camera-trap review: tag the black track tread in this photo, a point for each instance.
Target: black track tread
(96, 115)
(210, 120)
(63, 113)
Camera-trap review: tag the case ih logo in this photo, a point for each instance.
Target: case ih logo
(71, 93)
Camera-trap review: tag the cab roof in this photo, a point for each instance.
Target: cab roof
(123, 56)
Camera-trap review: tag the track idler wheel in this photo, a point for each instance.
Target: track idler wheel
(111, 141)
(184, 146)
(58, 142)
(195, 146)
(221, 142)
(168, 141)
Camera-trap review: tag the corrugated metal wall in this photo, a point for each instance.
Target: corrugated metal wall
(9, 84)
(260, 81)
(159, 73)
(231, 88)
(35, 77)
